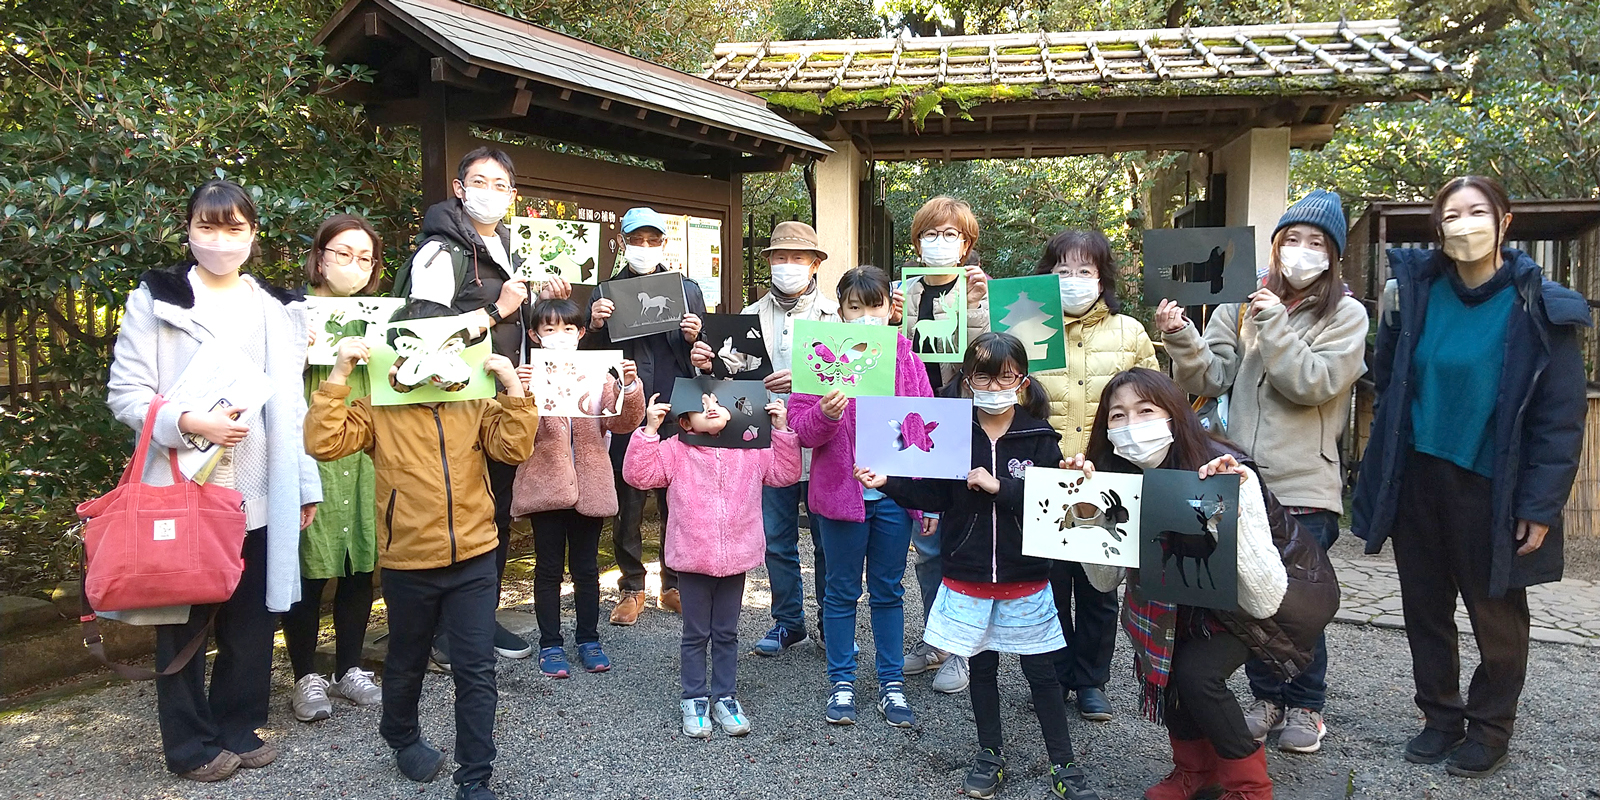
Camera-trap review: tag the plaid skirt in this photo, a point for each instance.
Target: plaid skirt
(966, 625)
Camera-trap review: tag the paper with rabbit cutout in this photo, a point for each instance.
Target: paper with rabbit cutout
(1188, 539)
(333, 319)
(915, 437)
(645, 305)
(557, 248)
(1199, 266)
(739, 351)
(1088, 520)
(1030, 309)
(433, 361)
(576, 383)
(942, 337)
(858, 360)
(744, 403)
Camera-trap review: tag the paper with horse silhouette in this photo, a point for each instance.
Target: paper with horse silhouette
(557, 248)
(1089, 520)
(433, 361)
(858, 360)
(1188, 539)
(742, 403)
(333, 319)
(573, 383)
(645, 305)
(915, 437)
(942, 337)
(1199, 266)
(739, 351)
(1030, 309)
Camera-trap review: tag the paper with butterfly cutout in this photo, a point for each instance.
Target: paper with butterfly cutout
(915, 437)
(738, 350)
(744, 403)
(1068, 517)
(858, 360)
(333, 319)
(574, 383)
(433, 360)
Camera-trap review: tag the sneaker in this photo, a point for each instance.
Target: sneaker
(510, 645)
(670, 601)
(553, 662)
(1068, 782)
(220, 768)
(924, 657)
(1303, 730)
(892, 702)
(357, 687)
(477, 790)
(627, 609)
(953, 676)
(842, 704)
(310, 699)
(419, 761)
(987, 773)
(441, 652)
(1477, 760)
(696, 717)
(592, 657)
(1432, 746)
(1263, 717)
(778, 639)
(730, 715)
(259, 757)
(1093, 705)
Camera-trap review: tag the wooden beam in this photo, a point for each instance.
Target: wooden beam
(442, 71)
(586, 106)
(1169, 138)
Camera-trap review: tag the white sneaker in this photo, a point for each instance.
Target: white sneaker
(924, 657)
(953, 677)
(696, 717)
(310, 699)
(1263, 717)
(730, 715)
(357, 687)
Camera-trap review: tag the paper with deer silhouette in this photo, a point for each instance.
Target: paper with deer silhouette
(739, 351)
(1030, 309)
(858, 360)
(431, 360)
(942, 337)
(574, 383)
(557, 248)
(1199, 266)
(333, 319)
(742, 403)
(1188, 539)
(915, 437)
(1070, 517)
(645, 305)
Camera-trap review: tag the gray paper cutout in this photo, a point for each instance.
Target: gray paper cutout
(1199, 266)
(646, 305)
(749, 425)
(1189, 546)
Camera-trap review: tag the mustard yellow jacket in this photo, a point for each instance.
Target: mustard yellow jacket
(1100, 344)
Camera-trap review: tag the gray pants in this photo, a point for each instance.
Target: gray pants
(710, 621)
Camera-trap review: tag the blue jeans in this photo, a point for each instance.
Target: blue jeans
(878, 544)
(930, 570)
(780, 516)
(1309, 689)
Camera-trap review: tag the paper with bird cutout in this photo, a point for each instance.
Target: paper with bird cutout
(1069, 517)
(743, 404)
(1188, 539)
(557, 248)
(333, 319)
(739, 351)
(1199, 266)
(576, 383)
(858, 360)
(645, 305)
(942, 337)
(1030, 309)
(429, 361)
(915, 437)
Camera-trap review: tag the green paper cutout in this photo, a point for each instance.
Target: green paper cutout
(1030, 309)
(429, 348)
(942, 339)
(858, 360)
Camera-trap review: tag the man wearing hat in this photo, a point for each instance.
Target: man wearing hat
(662, 358)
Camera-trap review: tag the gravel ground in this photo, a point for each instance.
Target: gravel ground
(616, 735)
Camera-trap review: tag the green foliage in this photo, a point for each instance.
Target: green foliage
(823, 19)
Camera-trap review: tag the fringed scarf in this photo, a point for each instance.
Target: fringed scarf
(1152, 628)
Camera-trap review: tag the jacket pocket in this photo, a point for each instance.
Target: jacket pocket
(388, 518)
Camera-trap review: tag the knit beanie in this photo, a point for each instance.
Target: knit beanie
(1322, 209)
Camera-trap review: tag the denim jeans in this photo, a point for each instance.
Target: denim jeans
(879, 544)
(930, 570)
(780, 516)
(1309, 689)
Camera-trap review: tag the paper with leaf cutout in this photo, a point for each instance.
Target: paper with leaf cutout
(333, 319)
(563, 248)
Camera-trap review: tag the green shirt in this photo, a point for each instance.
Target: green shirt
(1457, 369)
(342, 539)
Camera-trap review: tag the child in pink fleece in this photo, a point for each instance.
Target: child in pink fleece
(713, 538)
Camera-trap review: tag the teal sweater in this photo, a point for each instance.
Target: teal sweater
(1457, 370)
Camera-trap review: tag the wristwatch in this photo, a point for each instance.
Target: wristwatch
(494, 312)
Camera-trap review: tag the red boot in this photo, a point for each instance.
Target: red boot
(1194, 773)
(1245, 778)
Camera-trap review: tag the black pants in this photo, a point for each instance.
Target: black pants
(1048, 703)
(627, 540)
(502, 477)
(564, 540)
(352, 608)
(196, 727)
(459, 600)
(711, 608)
(1091, 629)
(1199, 704)
(1441, 549)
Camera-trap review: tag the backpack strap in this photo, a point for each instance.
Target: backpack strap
(459, 263)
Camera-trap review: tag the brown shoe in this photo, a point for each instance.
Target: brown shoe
(669, 601)
(220, 768)
(259, 757)
(628, 608)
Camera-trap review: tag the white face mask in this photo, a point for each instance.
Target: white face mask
(1468, 240)
(1078, 295)
(941, 252)
(220, 258)
(485, 205)
(559, 341)
(869, 319)
(1302, 265)
(1143, 443)
(791, 279)
(642, 260)
(994, 402)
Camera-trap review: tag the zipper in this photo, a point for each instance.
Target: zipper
(388, 519)
(449, 493)
(994, 519)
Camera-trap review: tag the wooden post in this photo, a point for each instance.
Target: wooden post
(444, 142)
(733, 297)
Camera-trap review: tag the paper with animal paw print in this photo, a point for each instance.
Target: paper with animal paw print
(858, 360)
(333, 319)
(574, 383)
(943, 336)
(428, 361)
(915, 437)
(1069, 517)
(1188, 539)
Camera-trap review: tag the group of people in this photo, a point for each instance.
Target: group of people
(1474, 447)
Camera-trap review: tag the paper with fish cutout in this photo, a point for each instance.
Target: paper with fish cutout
(744, 402)
(942, 337)
(1030, 309)
(1188, 539)
(557, 248)
(739, 352)
(332, 319)
(645, 305)
(1199, 266)
(915, 437)
(574, 383)
(1069, 517)
(858, 360)
(433, 361)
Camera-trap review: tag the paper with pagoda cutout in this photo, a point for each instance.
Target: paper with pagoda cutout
(942, 337)
(576, 383)
(1069, 517)
(1030, 309)
(429, 361)
(858, 360)
(331, 320)
(915, 437)
(557, 248)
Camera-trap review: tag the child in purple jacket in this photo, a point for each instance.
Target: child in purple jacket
(865, 526)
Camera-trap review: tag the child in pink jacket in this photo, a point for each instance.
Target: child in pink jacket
(713, 538)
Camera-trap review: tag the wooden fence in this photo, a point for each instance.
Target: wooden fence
(31, 340)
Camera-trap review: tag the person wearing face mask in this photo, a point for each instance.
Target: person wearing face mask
(1185, 655)
(944, 232)
(1288, 359)
(206, 300)
(1100, 342)
(1477, 429)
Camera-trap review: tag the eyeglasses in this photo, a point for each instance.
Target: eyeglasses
(646, 241)
(342, 257)
(950, 236)
(1010, 380)
(479, 182)
(1065, 271)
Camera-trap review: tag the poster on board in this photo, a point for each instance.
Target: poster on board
(704, 240)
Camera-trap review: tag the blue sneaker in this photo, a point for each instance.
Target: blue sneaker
(892, 702)
(553, 662)
(842, 704)
(593, 658)
(778, 640)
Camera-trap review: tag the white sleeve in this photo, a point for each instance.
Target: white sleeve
(1102, 577)
(432, 276)
(1262, 578)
